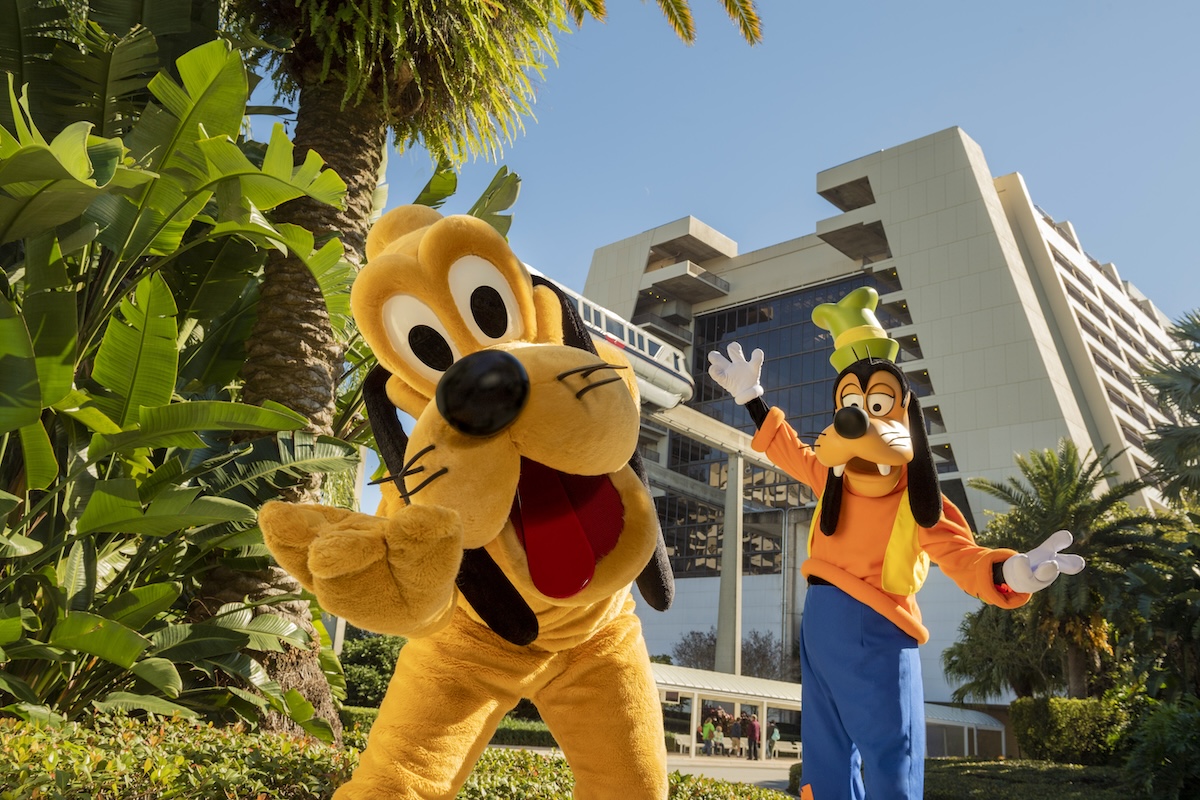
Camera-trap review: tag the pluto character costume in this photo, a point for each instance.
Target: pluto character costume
(882, 518)
(513, 522)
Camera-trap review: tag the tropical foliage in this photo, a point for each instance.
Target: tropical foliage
(1002, 650)
(131, 267)
(1063, 489)
(1175, 446)
(1165, 596)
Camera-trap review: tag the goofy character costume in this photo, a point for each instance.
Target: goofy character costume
(882, 519)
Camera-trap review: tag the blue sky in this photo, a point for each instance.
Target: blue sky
(1092, 102)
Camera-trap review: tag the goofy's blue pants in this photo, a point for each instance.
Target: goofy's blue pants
(863, 705)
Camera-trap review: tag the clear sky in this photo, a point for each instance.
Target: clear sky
(1092, 101)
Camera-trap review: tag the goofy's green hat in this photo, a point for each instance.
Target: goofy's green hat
(856, 331)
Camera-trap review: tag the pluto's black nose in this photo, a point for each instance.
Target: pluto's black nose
(481, 394)
(850, 422)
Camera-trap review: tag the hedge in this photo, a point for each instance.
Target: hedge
(1165, 757)
(965, 779)
(119, 758)
(1069, 731)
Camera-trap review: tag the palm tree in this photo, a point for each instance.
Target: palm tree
(1057, 490)
(453, 76)
(1002, 650)
(1175, 446)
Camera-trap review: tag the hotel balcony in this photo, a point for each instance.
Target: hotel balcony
(686, 281)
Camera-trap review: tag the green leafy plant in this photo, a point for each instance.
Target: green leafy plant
(130, 273)
(369, 661)
(1069, 731)
(1162, 761)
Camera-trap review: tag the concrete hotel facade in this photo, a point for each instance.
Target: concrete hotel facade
(1011, 333)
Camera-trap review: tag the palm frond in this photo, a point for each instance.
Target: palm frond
(679, 17)
(745, 15)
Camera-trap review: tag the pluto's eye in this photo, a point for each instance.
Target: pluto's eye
(489, 312)
(485, 300)
(418, 336)
(430, 347)
(879, 404)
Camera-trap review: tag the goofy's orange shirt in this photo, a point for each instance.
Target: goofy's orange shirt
(853, 558)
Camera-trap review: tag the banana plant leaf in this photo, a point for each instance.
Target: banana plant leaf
(138, 606)
(137, 359)
(278, 180)
(500, 195)
(100, 637)
(128, 701)
(20, 394)
(161, 674)
(77, 575)
(116, 508)
(104, 80)
(29, 31)
(49, 311)
(195, 642)
(46, 184)
(41, 467)
(175, 425)
(441, 185)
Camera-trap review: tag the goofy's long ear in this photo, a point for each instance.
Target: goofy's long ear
(831, 503)
(924, 491)
(656, 581)
(482, 583)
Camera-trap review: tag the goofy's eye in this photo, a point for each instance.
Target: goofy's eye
(880, 404)
(418, 336)
(485, 300)
(852, 400)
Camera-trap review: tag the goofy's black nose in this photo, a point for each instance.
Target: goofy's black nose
(850, 422)
(481, 394)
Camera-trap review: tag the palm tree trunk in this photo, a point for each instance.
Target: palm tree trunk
(293, 357)
(1077, 669)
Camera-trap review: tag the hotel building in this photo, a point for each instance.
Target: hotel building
(1010, 332)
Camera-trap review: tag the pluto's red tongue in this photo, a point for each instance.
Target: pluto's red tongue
(561, 559)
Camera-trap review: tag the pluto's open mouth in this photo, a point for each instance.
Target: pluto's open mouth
(566, 523)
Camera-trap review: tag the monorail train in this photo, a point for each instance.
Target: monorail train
(661, 369)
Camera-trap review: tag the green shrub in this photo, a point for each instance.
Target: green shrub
(1069, 731)
(958, 779)
(966, 779)
(369, 662)
(120, 758)
(1164, 757)
(794, 773)
(695, 787)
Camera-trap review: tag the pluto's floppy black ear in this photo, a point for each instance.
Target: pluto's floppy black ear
(482, 583)
(831, 503)
(924, 491)
(574, 332)
(656, 581)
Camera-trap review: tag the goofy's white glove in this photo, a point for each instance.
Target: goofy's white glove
(1033, 571)
(735, 374)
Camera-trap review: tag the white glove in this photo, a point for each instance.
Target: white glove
(1033, 571)
(735, 374)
